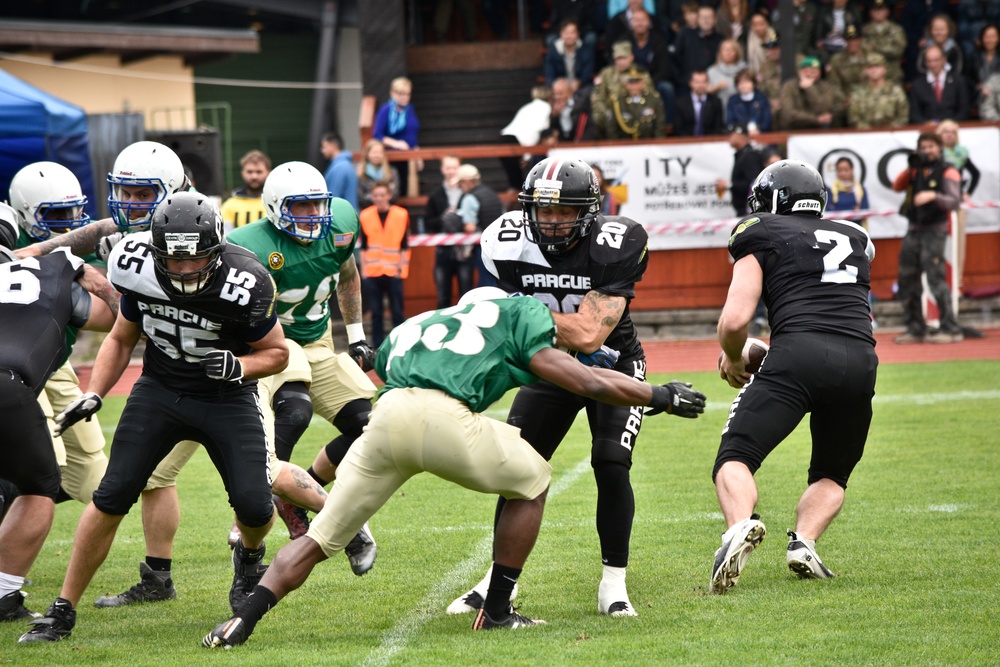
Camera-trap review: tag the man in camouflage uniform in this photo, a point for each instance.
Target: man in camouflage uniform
(886, 37)
(609, 84)
(877, 102)
(808, 102)
(635, 113)
(846, 69)
(769, 76)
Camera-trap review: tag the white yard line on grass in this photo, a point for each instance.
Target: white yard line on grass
(453, 583)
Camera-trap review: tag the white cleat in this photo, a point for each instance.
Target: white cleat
(612, 599)
(737, 544)
(803, 559)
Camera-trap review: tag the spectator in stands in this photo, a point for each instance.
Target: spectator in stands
(244, 205)
(941, 33)
(385, 258)
(652, 52)
(695, 49)
(914, 18)
(938, 94)
(989, 99)
(526, 129)
(877, 102)
(984, 60)
(609, 203)
(396, 123)
(846, 193)
(583, 13)
(569, 58)
(341, 178)
(609, 83)
(722, 74)
(846, 69)
(571, 117)
(831, 25)
(809, 102)
(733, 20)
(374, 168)
(699, 113)
(747, 165)
(972, 17)
(885, 36)
(804, 24)
(478, 207)
(749, 107)
(451, 262)
(620, 22)
(769, 76)
(760, 33)
(636, 113)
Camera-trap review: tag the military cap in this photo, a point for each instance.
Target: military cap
(620, 49)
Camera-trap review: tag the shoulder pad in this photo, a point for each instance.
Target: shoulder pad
(615, 239)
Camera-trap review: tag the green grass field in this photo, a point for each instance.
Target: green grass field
(914, 551)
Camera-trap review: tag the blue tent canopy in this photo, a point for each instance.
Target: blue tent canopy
(36, 126)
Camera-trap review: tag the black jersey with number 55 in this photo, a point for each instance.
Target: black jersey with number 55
(816, 272)
(610, 260)
(234, 309)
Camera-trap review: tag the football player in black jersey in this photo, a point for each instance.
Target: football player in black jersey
(813, 274)
(40, 298)
(207, 310)
(584, 267)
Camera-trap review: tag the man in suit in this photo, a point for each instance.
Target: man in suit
(938, 94)
(699, 113)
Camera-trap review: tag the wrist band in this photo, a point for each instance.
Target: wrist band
(355, 332)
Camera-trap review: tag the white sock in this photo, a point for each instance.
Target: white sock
(614, 575)
(9, 583)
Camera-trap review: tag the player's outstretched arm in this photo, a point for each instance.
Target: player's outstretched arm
(104, 307)
(592, 323)
(744, 293)
(81, 241)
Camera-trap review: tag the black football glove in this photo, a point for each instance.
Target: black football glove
(677, 398)
(82, 408)
(362, 353)
(222, 365)
(605, 357)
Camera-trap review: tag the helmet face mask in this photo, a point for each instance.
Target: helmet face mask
(289, 185)
(187, 226)
(144, 174)
(553, 183)
(48, 200)
(788, 187)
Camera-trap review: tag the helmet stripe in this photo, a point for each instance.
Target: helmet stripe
(553, 169)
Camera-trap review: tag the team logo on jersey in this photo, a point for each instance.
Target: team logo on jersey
(342, 240)
(743, 225)
(275, 261)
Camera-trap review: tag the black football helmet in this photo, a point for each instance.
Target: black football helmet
(187, 226)
(560, 182)
(788, 186)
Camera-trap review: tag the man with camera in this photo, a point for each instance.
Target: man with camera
(933, 190)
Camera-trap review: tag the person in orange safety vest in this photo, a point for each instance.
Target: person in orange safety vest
(385, 257)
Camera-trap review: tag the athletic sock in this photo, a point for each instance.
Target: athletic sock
(501, 586)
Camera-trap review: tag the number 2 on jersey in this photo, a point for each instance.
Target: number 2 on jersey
(832, 260)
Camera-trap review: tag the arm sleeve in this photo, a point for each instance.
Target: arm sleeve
(82, 304)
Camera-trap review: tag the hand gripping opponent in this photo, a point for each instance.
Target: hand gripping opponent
(677, 398)
(104, 246)
(222, 365)
(82, 408)
(605, 357)
(362, 353)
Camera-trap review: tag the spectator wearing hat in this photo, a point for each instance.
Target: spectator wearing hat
(699, 113)
(749, 106)
(609, 83)
(847, 68)
(747, 165)
(636, 113)
(831, 26)
(939, 93)
(877, 102)
(887, 37)
(809, 102)
(769, 75)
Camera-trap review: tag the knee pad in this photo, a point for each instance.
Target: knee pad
(351, 422)
(255, 511)
(292, 413)
(608, 453)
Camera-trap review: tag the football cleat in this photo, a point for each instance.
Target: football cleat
(247, 573)
(295, 518)
(803, 559)
(57, 624)
(361, 551)
(737, 544)
(227, 634)
(512, 621)
(612, 599)
(474, 599)
(12, 608)
(152, 587)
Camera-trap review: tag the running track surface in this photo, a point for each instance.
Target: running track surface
(703, 354)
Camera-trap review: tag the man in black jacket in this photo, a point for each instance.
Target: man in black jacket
(747, 165)
(440, 217)
(699, 112)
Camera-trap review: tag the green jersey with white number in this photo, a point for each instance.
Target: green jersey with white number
(474, 353)
(305, 275)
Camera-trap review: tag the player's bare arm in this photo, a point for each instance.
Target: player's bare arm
(269, 355)
(744, 293)
(349, 292)
(600, 384)
(81, 241)
(104, 309)
(588, 328)
(114, 356)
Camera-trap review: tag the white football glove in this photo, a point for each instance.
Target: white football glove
(105, 245)
(222, 365)
(82, 408)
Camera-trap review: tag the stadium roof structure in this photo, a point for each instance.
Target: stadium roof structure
(69, 40)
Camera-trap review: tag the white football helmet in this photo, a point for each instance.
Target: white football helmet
(144, 163)
(48, 200)
(8, 232)
(293, 182)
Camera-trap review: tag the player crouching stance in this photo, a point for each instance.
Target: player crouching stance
(442, 369)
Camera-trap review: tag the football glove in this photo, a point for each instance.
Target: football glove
(677, 398)
(602, 358)
(82, 408)
(106, 243)
(222, 365)
(362, 353)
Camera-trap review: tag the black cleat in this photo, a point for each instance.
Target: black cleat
(227, 634)
(247, 573)
(152, 587)
(57, 624)
(12, 608)
(511, 621)
(361, 551)
(296, 519)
